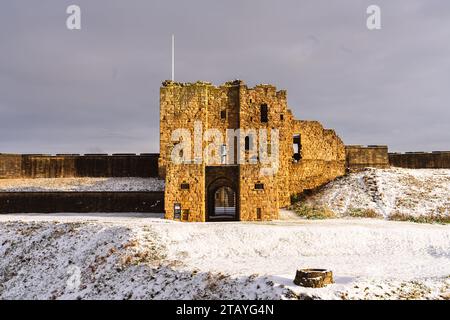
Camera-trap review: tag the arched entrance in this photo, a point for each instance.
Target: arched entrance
(222, 193)
(222, 201)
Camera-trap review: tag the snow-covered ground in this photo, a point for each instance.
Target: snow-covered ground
(81, 184)
(140, 256)
(410, 192)
(144, 257)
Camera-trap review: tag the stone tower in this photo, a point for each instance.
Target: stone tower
(260, 157)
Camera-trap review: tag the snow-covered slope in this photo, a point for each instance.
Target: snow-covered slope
(410, 192)
(81, 184)
(117, 257)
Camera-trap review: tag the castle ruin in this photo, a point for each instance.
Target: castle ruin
(196, 190)
(237, 186)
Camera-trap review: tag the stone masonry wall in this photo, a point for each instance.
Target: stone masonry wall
(322, 157)
(66, 166)
(279, 117)
(257, 201)
(51, 202)
(10, 166)
(191, 199)
(183, 105)
(359, 157)
(421, 160)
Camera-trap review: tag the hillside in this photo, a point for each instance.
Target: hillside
(393, 192)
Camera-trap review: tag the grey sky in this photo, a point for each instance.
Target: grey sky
(97, 90)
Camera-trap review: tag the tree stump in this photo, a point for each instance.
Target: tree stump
(313, 278)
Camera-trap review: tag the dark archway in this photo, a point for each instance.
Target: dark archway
(222, 201)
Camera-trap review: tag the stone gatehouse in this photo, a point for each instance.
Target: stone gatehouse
(201, 190)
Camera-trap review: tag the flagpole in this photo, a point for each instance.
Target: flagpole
(173, 57)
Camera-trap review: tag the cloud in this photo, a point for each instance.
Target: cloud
(98, 88)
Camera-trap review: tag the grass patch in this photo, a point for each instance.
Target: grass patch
(363, 213)
(313, 212)
(440, 219)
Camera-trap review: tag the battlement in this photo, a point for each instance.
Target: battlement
(175, 84)
(229, 84)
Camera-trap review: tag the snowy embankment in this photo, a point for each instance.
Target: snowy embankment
(394, 191)
(81, 184)
(113, 257)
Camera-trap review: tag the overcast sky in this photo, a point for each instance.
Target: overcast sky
(97, 89)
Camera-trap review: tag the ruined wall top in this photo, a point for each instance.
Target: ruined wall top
(228, 84)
